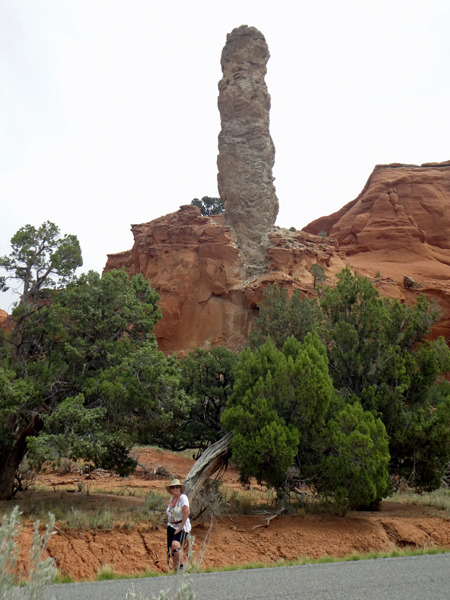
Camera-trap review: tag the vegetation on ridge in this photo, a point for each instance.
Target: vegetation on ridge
(209, 206)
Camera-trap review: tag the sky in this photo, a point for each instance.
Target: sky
(108, 109)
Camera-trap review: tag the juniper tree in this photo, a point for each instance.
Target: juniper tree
(80, 371)
(284, 413)
(378, 354)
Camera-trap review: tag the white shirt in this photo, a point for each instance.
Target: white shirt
(175, 513)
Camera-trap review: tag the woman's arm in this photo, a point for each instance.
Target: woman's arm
(186, 512)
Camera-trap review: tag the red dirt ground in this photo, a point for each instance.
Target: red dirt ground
(233, 541)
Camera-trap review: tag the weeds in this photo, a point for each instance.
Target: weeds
(253, 501)
(61, 578)
(155, 501)
(184, 592)
(122, 491)
(305, 560)
(41, 572)
(9, 551)
(82, 513)
(105, 573)
(439, 499)
(101, 519)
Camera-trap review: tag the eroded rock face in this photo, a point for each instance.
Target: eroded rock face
(246, 151)
(3, 321)
(396, 232)
(399, 226)
(211, 272)
(206, 297)
(401, 216)
(192, 263)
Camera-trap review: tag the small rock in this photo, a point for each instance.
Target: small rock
(408, 282)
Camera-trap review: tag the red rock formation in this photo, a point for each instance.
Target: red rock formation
(4, 321)
(206, 299)
(399, 226)
(403, 210)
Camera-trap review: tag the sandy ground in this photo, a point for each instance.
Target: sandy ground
(233, 540)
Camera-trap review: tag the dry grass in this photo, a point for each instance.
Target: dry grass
(96, 512)
(439, 499)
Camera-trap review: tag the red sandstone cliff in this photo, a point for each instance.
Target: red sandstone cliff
(206, 299)
(398, 226)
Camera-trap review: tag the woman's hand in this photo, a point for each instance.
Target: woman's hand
(186, 512)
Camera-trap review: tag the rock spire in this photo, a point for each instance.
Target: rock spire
(246, 151)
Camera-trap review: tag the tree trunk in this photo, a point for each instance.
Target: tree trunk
(215, 457)
(12, 456)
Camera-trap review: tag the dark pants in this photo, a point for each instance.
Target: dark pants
(171, 537)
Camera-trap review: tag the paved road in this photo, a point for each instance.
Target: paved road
(409, 578)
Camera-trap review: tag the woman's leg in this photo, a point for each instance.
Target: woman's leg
(170, 534)
(177, 550)
(177, 554)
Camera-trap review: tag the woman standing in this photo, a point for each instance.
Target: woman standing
(178, 525)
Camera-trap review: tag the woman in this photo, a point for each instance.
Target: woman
(178, 525)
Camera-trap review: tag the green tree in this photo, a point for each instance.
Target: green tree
(207, 378)
(209, 206)
(263, 444)
(40, 260)
(284, 413)
(88, 377)
(318, 274)
(281, 316)
(376, 352)
(354, 469)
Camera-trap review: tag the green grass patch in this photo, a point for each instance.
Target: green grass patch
(60, 578)
(305, 560)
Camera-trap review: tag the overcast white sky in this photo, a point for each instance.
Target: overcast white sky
(108, 108)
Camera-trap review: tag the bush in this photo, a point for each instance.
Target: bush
(155, 501)
(281, 316)
(284, 413)
(376, 353)
(354, 473)
(209, 502)
(41, 572)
